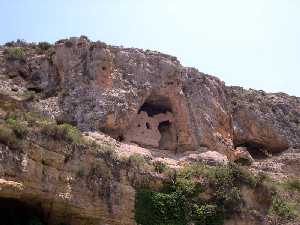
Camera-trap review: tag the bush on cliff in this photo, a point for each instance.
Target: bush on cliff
(63, 132)
(15, 53)
(179, 201)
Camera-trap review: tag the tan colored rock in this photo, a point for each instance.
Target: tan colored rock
(213, 158)
(104, 88)
(76, 191)
(184, 116)
(241, 154)
(269, 122)
(157, 131)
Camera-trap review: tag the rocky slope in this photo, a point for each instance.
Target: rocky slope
(141, 116)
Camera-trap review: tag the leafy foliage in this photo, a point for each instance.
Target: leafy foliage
(159, 166)
(292, 184)
(19, 127)
(155, 208)
(15, 53)
(280, 208)
(179, 201)
(8, 137)
(137, 161)
(63, 132)
(206, 214)
(44, 46)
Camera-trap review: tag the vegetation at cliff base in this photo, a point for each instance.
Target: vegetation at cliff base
(181, 199)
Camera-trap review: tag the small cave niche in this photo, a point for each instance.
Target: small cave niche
(156, 105)
(148, 125)
(120, 138)
(168, 135)
(16, 212)
(154, 125)
(254, 149)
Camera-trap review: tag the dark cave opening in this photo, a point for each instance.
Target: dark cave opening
(120, 138)
(154, 125)
(155, 105)
(255, 150)
(15, 212)
(148, 125)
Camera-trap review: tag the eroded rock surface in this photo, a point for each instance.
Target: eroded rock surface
(102, 87)
(266, 122)
(140, 102)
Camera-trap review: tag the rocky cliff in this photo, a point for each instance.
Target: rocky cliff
(87, 127)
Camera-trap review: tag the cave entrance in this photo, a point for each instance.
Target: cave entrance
(255, 150)
(154, 125)
(155, 105)
(15, 212)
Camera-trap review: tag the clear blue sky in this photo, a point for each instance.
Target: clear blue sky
(251, 43)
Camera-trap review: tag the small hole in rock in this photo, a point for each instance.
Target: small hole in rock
(120, 138)
(103, 68)
(148, 125)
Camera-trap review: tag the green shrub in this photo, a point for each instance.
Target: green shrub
(155, 208)
(44, 46)
(71, 133)
(292, 184)
(63, 132)
(227, 180)
(15, 53)
(159, 166)
(36, 118)
(208, 214)
(19, 127)
(105, 147)
(194, 170)
(280, 208)
(137, 161)
(8, 137)
(178, 202)
(50, 53)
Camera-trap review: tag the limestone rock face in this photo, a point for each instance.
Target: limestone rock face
(269, 122)
(73, 187)
(104, 88)
(153, 131)
(131, 102)
(107, 88)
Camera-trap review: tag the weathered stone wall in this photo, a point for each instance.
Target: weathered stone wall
(144, 130)
(270, 122)
(76, 187)
(108, 96)
(102, 87)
